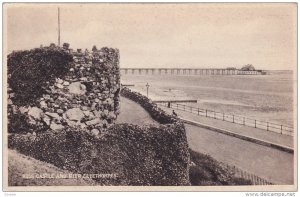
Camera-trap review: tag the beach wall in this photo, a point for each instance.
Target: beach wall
(86, 96)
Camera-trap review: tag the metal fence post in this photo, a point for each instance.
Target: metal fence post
(198, 111)
(183, 107)
(206, 113)
(233, 118)
(191, 109)
(267, 126)
(223, 117)
(254, 123)
(177, 105)
(214, 115)
(281, 129)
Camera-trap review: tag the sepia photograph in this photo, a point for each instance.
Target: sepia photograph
(153, 96)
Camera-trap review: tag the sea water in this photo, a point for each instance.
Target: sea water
(263, 97)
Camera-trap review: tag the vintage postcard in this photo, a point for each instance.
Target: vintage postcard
(150, 97)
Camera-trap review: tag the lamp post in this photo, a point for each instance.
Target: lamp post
(147, 85)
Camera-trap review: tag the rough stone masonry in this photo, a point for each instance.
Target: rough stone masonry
(87, 97)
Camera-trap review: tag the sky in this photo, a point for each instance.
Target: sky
(198, 35)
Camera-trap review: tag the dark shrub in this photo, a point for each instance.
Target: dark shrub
(208, 171)
(29, 72)
(138, 155)
(19, 123)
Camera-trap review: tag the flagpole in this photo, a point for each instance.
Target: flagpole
(58, 27)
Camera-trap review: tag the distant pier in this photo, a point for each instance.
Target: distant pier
(187, 71)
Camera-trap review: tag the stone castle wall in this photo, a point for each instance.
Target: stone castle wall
(87, 97)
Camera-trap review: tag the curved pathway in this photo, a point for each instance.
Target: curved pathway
(133, 113)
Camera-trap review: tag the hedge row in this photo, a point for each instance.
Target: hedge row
(138, 155)
(155, 112)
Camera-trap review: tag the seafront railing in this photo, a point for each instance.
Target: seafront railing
(237, 119)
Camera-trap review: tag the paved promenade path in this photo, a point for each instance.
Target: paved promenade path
(271, 164)
(133, 113)
(273, 137)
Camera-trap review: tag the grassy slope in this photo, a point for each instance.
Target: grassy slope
(204, 171)
(19, 165)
